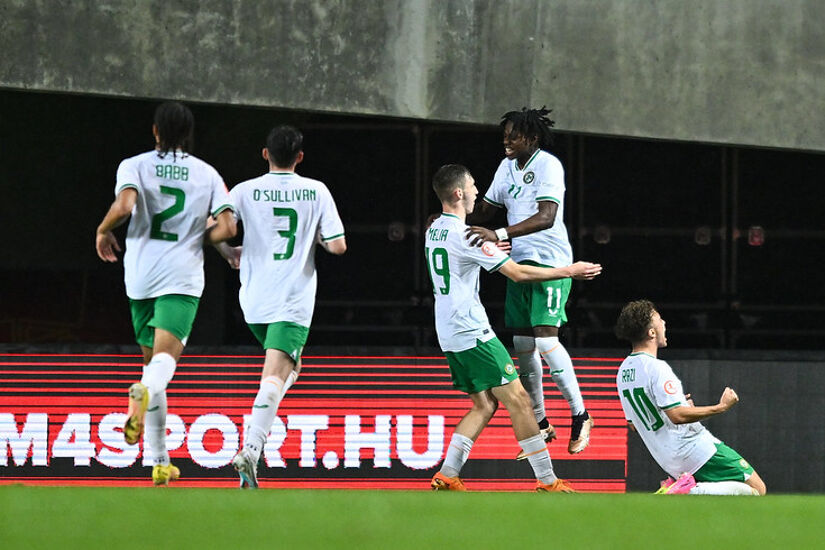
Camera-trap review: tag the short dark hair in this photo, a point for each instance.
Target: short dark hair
(531, 123)
(176, 125)
(634, 320)
(448, 178)
(284, 143)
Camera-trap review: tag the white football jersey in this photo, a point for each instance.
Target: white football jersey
(519, 191)
(647, 388)
(460, 319)
(176, 193)
(283, 216)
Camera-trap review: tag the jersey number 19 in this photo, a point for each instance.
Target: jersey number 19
(439, 265)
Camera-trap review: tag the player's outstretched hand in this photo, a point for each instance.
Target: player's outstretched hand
(728, 399)
(478, 235)
(584, 271)
(106, 245)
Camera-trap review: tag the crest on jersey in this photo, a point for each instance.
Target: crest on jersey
(488, 248)
(529, 177)
(509, 369)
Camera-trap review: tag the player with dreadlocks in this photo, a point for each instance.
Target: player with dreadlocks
(529, 184)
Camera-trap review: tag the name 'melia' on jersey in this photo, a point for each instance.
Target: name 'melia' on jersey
(283, 217)
(647, 388)
(176, 193)
(460, 319)
(519, 191)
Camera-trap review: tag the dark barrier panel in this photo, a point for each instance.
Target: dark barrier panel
(777, 425)
(349, 422)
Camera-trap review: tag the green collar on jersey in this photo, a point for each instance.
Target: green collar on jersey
(528, 162)
(642, 353)
(281, 173)
(449, 215)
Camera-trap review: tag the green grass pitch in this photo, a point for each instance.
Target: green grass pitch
(83, 517)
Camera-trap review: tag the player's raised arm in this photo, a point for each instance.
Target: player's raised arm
(685, 414)
(105, 241)
(527, 273)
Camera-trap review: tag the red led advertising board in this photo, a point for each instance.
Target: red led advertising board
(348, 422)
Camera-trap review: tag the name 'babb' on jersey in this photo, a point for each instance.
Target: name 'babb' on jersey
(176, 193)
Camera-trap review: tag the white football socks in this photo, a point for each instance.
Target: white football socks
(535, 449)
(530, 372)
(154, 435)
(561, 369)
(290, 379)
(723, 488)
(457, 454)
(156, 376)
(263, 414)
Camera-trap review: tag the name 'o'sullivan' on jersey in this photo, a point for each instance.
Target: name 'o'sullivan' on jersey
(284, 215)
(460, 319)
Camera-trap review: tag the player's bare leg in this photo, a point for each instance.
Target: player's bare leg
(465, 434)
(278, 366)
(515, 399)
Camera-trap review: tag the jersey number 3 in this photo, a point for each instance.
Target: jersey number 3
(289, 233)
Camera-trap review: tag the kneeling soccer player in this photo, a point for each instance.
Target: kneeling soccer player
(479, 364)
(666, 419)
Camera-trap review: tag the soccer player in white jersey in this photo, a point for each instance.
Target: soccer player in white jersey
(529, 184)
(479, 364)
(284, 216)
(656, 406)
(169, 195)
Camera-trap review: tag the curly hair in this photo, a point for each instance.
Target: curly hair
(634, 320)
(531, 123)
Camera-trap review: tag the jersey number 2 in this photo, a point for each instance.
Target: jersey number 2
(174, 210)
(289, 233)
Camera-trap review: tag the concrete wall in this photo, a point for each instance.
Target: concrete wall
(738, 71)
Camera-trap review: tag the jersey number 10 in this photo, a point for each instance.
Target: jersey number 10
(644, 409)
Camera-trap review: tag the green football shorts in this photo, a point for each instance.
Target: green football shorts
(478, 369)
(725, 465)
(288, 337)
(536, 304)
(172, 312)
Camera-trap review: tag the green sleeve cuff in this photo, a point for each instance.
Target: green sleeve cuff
(332, 237)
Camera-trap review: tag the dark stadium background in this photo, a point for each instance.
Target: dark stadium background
(669, 220)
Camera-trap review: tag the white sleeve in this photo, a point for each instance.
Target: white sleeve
(127, 176)
(667, 388)
(331, 226)
(494, 192)
(488, 255)
(551, 182)
(221, 199)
